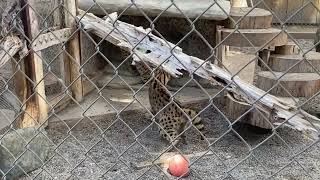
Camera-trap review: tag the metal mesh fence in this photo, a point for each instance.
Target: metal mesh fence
(74, 106)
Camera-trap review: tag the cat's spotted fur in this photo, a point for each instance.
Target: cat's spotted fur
(171, 116)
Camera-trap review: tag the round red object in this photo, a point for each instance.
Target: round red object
(179, 166)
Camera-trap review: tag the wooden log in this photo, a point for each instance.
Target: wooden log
(261, 119)
(257, 37)
(287, 49)
(153, 8)
(73, 59)
(158, 52)
(36, 113)
(296, 63)
(9, 46)
(255, 18)
(298, 84)
(237, 110)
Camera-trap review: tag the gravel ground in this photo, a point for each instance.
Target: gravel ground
(83, 154)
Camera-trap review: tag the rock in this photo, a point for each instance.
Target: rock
(6, 117)
(12, 146)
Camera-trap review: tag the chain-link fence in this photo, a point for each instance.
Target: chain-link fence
(87, 93)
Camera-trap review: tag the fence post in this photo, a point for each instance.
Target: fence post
(36, 106)
(73, 63)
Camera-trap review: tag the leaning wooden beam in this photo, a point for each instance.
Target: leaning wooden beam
(73, 59)
(36, 109)
(158, 52)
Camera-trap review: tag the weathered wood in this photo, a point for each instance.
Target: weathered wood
(220, 50)
(90, 85)
(49, 39)
(9, 46)
(264, 55)
(153, 8)
(255, 18)
(296, 63)
(57, 14)
(73, 47)
(288, 49)
(298, 84)
(257, 37)
(36, 112)
(238, 3)
(237, 110)
(59, 102)
(261, 119)
(158, 52)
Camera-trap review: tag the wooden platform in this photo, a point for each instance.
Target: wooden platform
(282, 63)
(257, 37)
(121, 100)
(298, 84)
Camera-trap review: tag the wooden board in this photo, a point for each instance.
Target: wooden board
(281, 63)
(49, 39)
(36, 108)
(257, 37)
(256, 19)
(298, 84)
(73, 58)
(152, 8)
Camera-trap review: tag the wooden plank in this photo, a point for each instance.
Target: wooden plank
(59, 102)
(317, 3)
(36, 110)
(309, 13)
(292, 8)
(153, 8)
(88, 86)
(49, 39)
(73, 48)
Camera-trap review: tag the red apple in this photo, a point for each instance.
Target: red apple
(179, 166)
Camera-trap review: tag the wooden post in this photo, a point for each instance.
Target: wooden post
(36, 107)
(72, 64)
(221, 49)
(264, 55)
